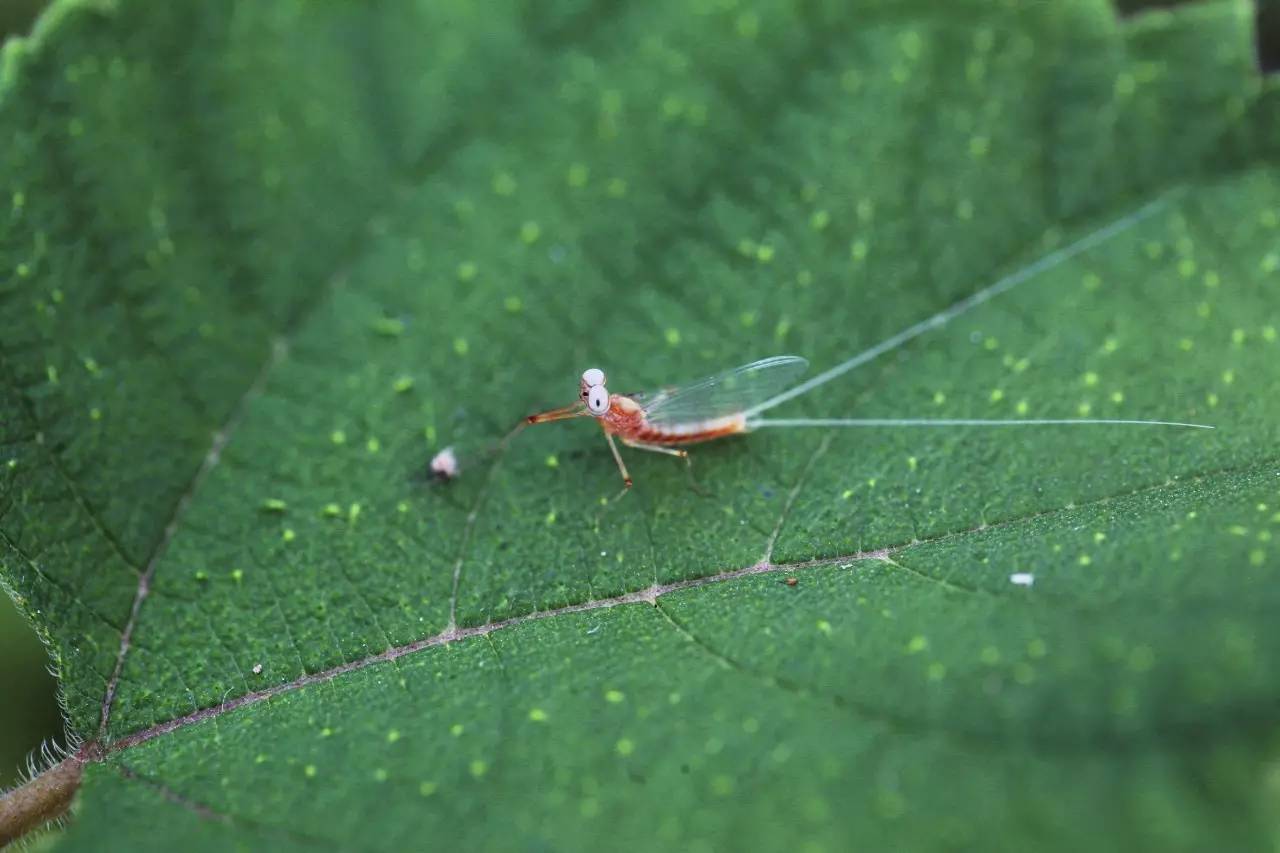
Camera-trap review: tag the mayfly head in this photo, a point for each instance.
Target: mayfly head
(593, 391)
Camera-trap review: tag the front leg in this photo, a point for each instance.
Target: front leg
(622, 466)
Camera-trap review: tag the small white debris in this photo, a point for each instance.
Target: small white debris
(257, 669)
(1022, 578)
(444, 465)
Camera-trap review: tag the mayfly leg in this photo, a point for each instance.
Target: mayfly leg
(622, 466)
(670, 451)
(656, 448)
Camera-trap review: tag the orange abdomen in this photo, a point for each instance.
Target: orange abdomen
(626, 419)
(712, 430)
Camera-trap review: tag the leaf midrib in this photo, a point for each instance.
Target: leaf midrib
(652, 594)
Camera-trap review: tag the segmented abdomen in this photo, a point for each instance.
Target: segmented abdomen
(690, 434)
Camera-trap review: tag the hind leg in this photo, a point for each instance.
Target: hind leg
(670, 451)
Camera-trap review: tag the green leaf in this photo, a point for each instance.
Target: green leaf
(263, 261)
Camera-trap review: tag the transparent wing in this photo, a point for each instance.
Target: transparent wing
(723, 394)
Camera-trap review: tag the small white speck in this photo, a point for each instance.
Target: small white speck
(592, 630)
(257, 669)
(444, 465)
(604, 553)
(1022, 578)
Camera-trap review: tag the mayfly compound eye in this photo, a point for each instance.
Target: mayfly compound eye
(598, 400)
(592, 377)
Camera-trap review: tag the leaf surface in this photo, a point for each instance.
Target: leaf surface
(269, 258)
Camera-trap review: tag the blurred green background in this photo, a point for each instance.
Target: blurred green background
(30, 713)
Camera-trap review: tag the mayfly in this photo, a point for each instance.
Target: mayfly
(732, 402)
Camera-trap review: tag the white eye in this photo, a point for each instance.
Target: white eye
(593, 377)
(598, 400)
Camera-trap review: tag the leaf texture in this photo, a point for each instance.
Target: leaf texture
(262, 261)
